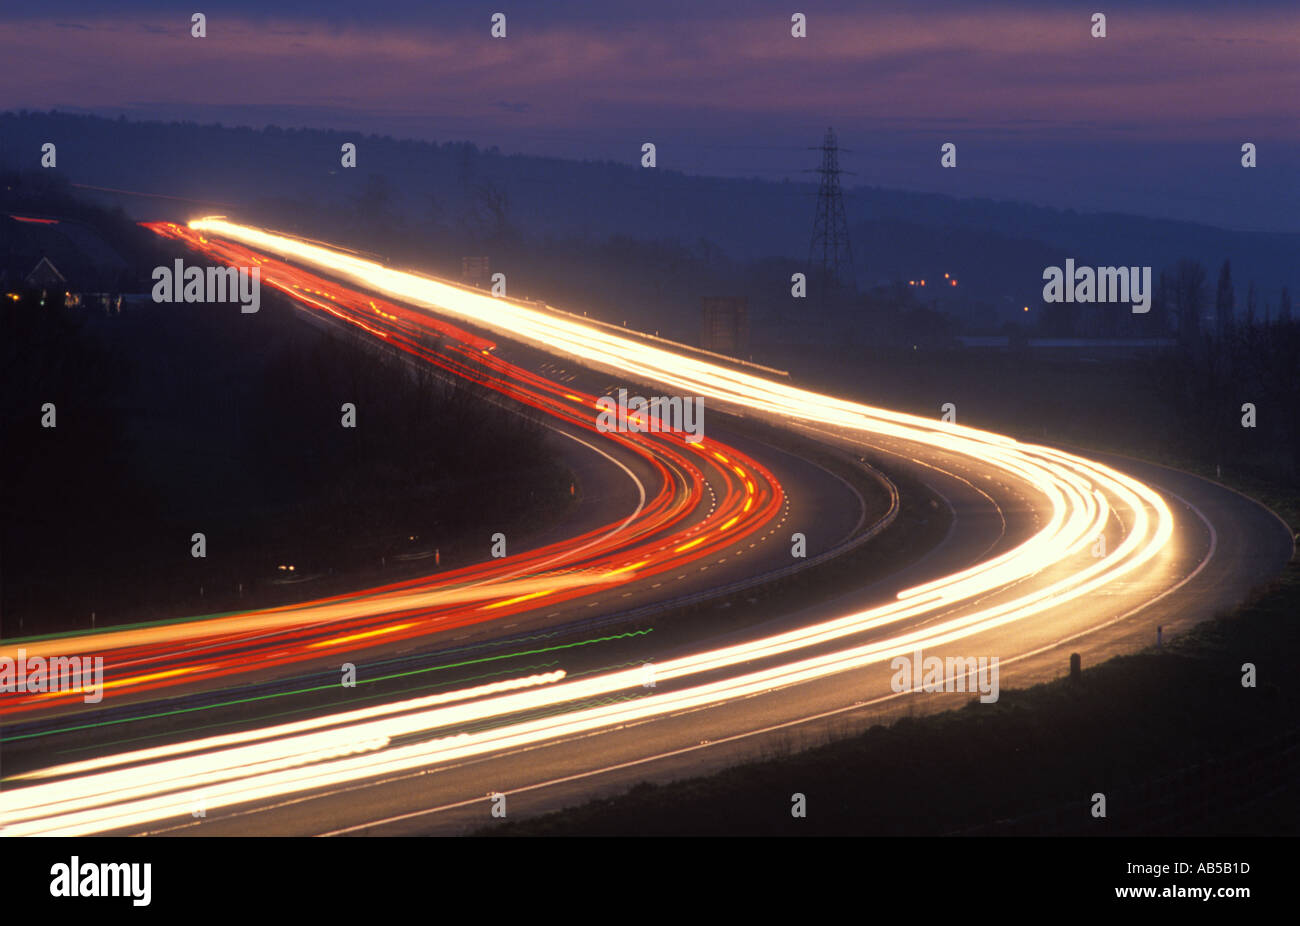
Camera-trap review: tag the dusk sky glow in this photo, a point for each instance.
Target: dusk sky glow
(1146, 120)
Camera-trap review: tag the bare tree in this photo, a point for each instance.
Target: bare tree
(1189, 296)
(1224, 299)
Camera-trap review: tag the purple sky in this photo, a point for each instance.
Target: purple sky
(1149, 119)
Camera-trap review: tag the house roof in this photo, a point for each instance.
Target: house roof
(45, 274)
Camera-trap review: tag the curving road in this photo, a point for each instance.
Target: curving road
(1045, 550)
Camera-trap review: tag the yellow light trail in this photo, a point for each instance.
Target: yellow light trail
(292, 616)
(515, 600)
(363, 635)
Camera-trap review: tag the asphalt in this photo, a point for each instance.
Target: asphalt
(1225, 545)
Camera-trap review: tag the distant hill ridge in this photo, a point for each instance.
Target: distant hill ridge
(996, 248)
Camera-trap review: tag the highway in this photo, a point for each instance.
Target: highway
(683, 493)
(1045, 552)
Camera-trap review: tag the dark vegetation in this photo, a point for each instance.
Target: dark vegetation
(174, 419)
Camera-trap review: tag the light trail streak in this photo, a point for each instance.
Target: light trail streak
(1081, 497)
(315, 616)
(1051, 472)
(478, 661)
(283, 635)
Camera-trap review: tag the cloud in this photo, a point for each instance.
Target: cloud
(1160, 73)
